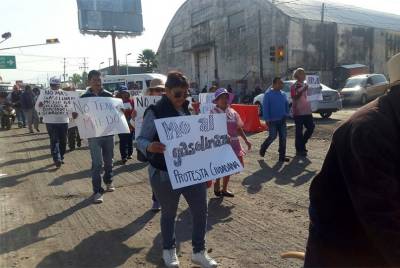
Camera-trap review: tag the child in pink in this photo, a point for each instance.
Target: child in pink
(222, 100)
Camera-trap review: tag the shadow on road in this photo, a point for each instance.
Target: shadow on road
(218, 212)
(29, 234)
(25, 160)
(103, 249)
(283, 176)
(70, 177)
(36, 148)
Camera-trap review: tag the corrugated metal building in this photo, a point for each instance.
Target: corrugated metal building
(228, 41)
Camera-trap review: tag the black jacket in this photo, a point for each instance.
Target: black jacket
(355, 199)
(103, 93)
(163, 109)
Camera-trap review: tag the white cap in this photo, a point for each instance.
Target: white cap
(394, 68)
(55, 81)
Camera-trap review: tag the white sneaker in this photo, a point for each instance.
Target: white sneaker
(110, 187)
(202, 259)
(98, 198)
(170, 258)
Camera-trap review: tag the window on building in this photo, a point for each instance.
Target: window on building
(236, 20)
(177, 40)
(201, 16)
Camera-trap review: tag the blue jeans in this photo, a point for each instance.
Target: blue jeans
(301, 121)
(20, 116)
(101, 150)
(196, 197)
(126, 144)
(58, 140)
(275, 128)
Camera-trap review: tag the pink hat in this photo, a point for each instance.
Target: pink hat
(222, 91)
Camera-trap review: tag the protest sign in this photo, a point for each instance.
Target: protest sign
(198, 149)
(141, 104)
(56, 104)
(206, 102)
(314, 88)
(99, 116)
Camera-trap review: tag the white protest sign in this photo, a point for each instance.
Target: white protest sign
(56, 104)
(197, 149)
(141, 104)
(314, 88)
(206, 102)
(99, 116)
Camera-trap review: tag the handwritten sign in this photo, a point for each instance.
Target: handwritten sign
(197, 149)
(141, 104)
(206, 102)
(98, 117)
(314, 88)
(56, 104)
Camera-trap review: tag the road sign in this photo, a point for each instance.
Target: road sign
(8, 62)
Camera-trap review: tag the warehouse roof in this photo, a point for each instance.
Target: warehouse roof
(338, 13)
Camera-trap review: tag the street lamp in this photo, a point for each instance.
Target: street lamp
(5, 36)
(48, 42)
(101, 64)
(126, 57)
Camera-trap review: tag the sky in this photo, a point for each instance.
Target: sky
(33, 21)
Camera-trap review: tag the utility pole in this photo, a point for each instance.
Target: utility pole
(85, 65)
(260, 48)
(322, 47)
(64, 75)
(115, 69)
(274, 42)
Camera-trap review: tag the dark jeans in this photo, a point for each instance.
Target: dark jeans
(20, 116)
(301, 121)
(196, 197)
(126, 144)
(101, 150)
(275, 128)
(58, 140)
(73, 138)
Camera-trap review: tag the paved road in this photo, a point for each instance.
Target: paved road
(46, 219)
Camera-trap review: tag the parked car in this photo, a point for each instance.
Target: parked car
(364, 88)
(331, 100)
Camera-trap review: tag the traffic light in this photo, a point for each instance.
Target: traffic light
(280, 53)
(272, 53)
(52, 41)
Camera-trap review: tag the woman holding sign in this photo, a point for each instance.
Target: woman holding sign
(173, 104)
(223, 99)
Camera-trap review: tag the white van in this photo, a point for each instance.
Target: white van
(137, 84)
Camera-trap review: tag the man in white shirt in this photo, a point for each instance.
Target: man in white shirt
(56, 125)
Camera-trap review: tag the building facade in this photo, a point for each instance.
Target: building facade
(230, 41)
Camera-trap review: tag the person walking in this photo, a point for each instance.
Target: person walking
(222, 100)
(101, 148)
(275, 111)
(355, 199)
(74, 139)
(126, 139)
(28, 101)
(302, 112)
(15, 99)
(173, 104)
(57, 127)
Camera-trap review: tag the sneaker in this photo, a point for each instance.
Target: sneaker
(227, 194)
(284, 159)
(124, 160)
(156, 207)
(129, 157)
(202, 259)
(58, 164)
(110, 187)
(97, 198)
(170, 258)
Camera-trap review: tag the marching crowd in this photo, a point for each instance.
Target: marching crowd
(354, 201)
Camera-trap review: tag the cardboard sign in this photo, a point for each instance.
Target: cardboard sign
(314, 88)
(141, 104)
(197, 149)
(99, 116)
(206, 102)
(56, 104)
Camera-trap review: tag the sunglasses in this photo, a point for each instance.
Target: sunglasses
(181, 94)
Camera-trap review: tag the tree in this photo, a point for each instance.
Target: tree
(148, 59)
(76, 79)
